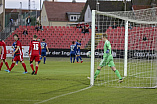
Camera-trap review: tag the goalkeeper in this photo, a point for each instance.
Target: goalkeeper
(107, 59)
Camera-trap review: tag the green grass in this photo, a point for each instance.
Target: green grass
(58, 77)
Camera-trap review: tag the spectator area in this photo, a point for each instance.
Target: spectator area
(56, 37)
(61, 37)
(135, 38)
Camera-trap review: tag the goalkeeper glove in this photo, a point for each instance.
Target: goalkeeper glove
(107, 51)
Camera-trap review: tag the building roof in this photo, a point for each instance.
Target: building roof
(105, 6)
(138, 7)
(56, 11)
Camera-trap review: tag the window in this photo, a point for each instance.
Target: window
(73, 17)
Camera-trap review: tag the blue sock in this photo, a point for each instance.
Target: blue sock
(77, 59)
(44, 59)
(16, 62)
(71, 59)
(80, 58)
(40, 58)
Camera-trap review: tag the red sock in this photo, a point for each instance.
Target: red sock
(36, 69)
(24, 66)
(12, 65)
(32, 66)
(1, 65)
(6, 63)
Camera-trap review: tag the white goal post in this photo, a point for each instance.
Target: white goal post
(133, 36)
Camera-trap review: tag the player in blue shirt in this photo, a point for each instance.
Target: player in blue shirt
(78, 45)
(73, 52)
(44, 48)
(13, 46)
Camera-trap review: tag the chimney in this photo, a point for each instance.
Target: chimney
(73, 1)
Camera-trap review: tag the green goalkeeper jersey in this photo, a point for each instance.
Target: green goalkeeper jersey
(107, 46)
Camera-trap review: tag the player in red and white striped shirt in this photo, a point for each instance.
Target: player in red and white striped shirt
(18, 54)
(3, 53)
(34, 53)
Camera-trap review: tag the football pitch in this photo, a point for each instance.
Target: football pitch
(60, 82)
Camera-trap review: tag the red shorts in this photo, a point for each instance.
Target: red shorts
(3, 56)
(35, 57)
(18, 58)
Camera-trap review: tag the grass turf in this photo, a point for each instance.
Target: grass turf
(58, 77)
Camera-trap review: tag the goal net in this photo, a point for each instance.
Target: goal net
(133, 36)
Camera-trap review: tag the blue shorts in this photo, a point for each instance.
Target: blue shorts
(43, 53)
(72, 54)
(78, 53)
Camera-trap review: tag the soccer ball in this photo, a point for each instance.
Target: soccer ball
(89, 54)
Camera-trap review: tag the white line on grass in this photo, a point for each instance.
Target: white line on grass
(18, 100)
(63, 95)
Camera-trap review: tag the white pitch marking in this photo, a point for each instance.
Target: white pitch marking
(63, 95)
(18, 100)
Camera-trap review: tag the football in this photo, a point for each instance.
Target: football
(89, 54)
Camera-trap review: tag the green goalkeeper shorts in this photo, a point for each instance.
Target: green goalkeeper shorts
(108, 60)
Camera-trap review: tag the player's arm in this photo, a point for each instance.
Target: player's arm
(47, 49)
(40, 49)
(30, 47)
(12, 47)
(108, 48)
(16, 50)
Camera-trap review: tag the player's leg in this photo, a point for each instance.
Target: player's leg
(71, 58)
(16, 63)
(6, 63)
(1, 64)
(36, 67)
(74, 58)
(41, 57)
(12, 65)
(31, 64)
(97, 72)
(32, 67)
(44, 59)
(117, 73)
(102, 63)
(15, 58)
(24, 66)
(40, 60)
(1, 58)
(77, 59)
(112, 65)
(36, 63)
(23, 63)
(80, 56)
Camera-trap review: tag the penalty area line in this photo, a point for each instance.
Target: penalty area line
(63, 95)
